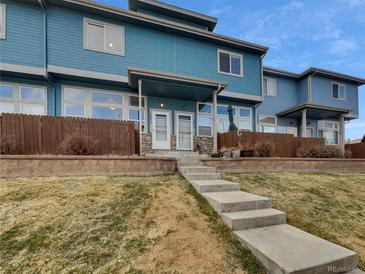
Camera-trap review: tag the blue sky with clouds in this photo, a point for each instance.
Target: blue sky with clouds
(328, 33)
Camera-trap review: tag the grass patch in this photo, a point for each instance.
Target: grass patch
(330, 206)
(113, 225)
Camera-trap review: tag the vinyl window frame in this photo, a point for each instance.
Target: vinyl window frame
(275, 86)
(230, 57)
(210, 115)
(345, 91)
(261, 116)
(104, 25)
(17, 101)
(333, 129)
(88, 104)
(3, 21)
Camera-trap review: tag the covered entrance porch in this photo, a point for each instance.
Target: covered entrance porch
(330, 121)
(171, 110)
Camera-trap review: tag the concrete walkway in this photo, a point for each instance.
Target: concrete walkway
(280, 248)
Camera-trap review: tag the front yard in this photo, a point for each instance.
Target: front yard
(331, 206)
(113, 225)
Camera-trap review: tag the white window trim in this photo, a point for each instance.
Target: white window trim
(88, 104)
(137, 108)
(260, 116)
(230, 53)
(18, 101)
(313, 131)
(345, 90)
(204, 114)
(3, 21)
(329, 129)
(236, 118)
(275, 86)
(103, 24)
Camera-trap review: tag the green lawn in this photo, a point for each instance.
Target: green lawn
(331, 206)
(113, 225)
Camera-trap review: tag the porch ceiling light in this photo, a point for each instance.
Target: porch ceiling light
(162, 105)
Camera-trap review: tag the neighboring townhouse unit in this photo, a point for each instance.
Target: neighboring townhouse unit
(162, 67)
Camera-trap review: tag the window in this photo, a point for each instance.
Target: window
(329, 131)
(133, 113)
(310, 132)
(242, 118)
(230, 63)
(338, 91)
(267, 123)
(204, 121)
(16, 98)
(2, 21)
(100, 104)
(103, 37)
(269, 86)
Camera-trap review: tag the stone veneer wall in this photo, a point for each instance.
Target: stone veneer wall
(206, 143)
(62, 165)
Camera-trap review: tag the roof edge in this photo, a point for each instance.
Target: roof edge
(306, 105)
(314, 70)
(169, 24)
(174, 9)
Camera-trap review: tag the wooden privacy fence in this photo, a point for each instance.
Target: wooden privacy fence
(357, 150)
(43, 134)
(286, 145)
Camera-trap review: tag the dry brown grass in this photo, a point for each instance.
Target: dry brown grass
(331, 206)
(111, 225)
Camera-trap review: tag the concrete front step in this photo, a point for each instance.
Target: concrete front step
(196, 169)
(202, 176)
(253, 218)
(214, 186)
(236, 201)
(284, 249)
(189, 162)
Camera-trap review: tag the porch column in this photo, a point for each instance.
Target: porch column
(140, 114)
(214, 122)
(341, 135)
(304, 123)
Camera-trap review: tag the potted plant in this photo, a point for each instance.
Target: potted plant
(226, 152)
(236, 153)
(246, 149)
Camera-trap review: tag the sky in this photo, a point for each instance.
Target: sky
(329, 34)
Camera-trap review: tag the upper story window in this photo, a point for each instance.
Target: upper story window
(230, 63)
(17, 98)
(103, 37)
(269, 86)
(2, 21)
(338, 91)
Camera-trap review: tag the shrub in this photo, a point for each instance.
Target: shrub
(348, 153)
(319, 151)
(77, 144)
(264, 149)
(8, 144)
(363, 138)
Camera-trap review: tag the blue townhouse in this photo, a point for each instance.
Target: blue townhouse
(162, 67)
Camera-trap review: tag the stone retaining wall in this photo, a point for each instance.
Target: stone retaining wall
(51, 165)
(242, 165)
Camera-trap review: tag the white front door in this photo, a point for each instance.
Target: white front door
(160, 129)
(184, 131)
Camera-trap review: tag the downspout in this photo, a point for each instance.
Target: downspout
(49, 80)
(262, 90)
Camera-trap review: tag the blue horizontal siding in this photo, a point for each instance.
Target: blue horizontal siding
(24, 35)
(303, 91)
(286, 97)
(322, 94)
(144, 48)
